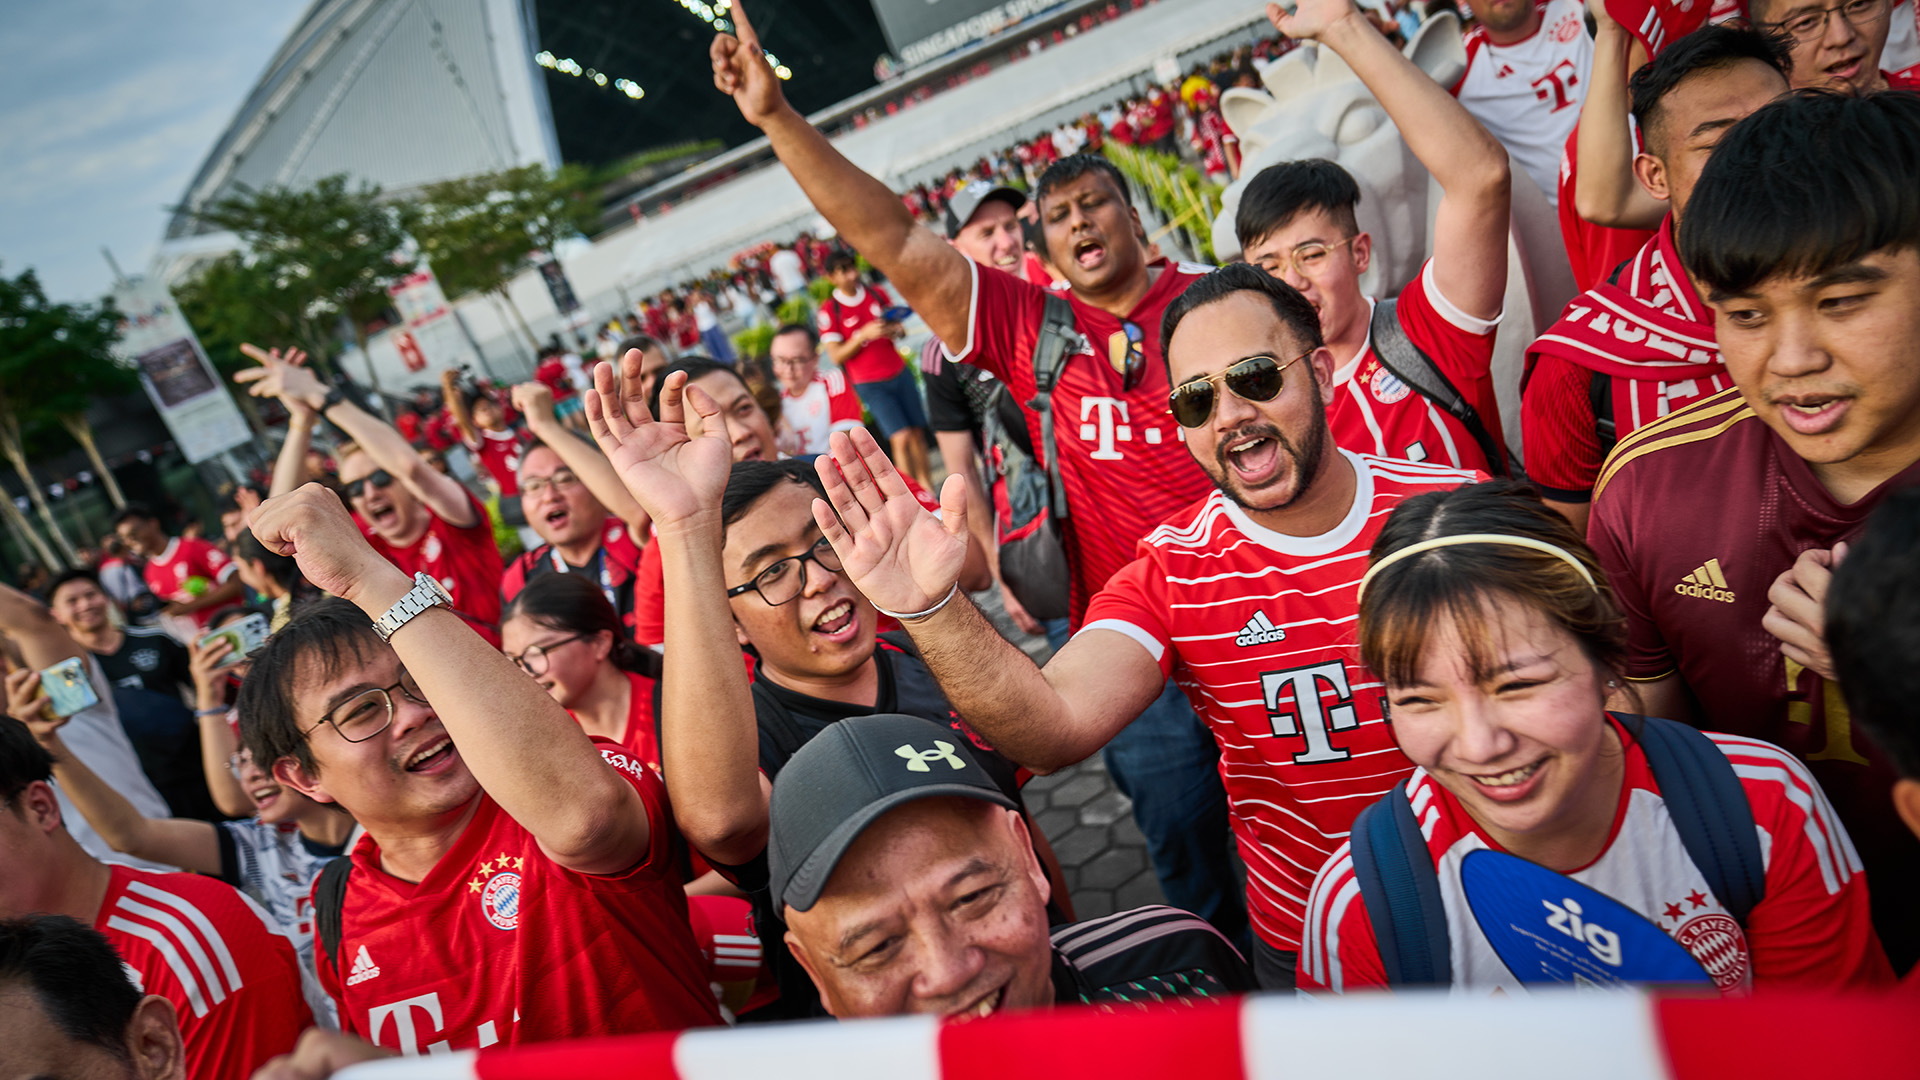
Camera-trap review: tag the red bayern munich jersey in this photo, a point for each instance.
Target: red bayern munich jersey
(500, 945)
(1812, 930)
(466, 562)
(1123, 459)
(1245, 620)
(1691, 567)
(1592, 250)
(1372, 411)
(877, 361)
(827, 405)
(234, 980)
(499, 452)
(188, 569)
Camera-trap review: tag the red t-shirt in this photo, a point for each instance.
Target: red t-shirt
(877, 361)
(1373, 412)
(642, 738)
(553, 373)
(1246, 620)
(1649, 333)
(499, 945)
(466, 562)
(1592, 250)
(1123, 459)
(234, 980)
(827, 405)
(499, 452)
(1811, 931)
(614, 567)
(1694, 516)
(187, 570)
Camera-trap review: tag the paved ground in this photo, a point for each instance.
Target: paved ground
(1087, 819)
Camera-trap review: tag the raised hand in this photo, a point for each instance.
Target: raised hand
(741, 71)
(27, 703)
(902, 557)
(1310, 18)
(312, 525)
(284, 376)
(676, 479)
(208, 666)
(535, 399)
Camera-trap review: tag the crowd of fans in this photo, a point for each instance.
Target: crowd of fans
(677, 711)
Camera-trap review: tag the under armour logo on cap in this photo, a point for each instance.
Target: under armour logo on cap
(918, 760)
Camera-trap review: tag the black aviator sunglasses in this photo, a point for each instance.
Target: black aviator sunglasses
(1257, 378)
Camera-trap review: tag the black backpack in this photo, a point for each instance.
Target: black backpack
(1401, 357)
(1033, 553)
(1704, 800)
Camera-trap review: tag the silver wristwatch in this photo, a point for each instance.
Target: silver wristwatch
(426, 593)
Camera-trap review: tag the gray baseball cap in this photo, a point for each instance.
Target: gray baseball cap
(846, 779)
(967, 199)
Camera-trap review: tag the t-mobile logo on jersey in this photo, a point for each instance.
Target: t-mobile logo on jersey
(1104, 421)
(1557, 86)
(408, 1036)
(1309, 718)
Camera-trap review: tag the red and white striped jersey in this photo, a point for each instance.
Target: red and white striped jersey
(233, 979)
(1812, 930)
(1259, 629)
(827, 405)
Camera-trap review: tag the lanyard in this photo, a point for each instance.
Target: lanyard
(599, 563)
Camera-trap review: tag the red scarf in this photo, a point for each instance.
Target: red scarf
(1649, 331)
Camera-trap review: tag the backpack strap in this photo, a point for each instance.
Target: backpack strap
(329, 901)
(1401, 890)
(1399, 355)
(1709, 809)
(1057, 334)
(1600, 398)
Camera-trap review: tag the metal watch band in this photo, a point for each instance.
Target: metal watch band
(426, 593)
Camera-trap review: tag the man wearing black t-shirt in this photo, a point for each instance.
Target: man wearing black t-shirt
(744, 566)
(908, 884)
(151, 679)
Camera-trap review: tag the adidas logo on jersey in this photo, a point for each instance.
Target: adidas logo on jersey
(1259, 631)
(363, 968)
(1707, 583)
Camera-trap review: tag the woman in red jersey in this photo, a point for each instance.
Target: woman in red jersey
(1498, 642)
(562, 631)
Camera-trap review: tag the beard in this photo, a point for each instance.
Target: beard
(1306, 457)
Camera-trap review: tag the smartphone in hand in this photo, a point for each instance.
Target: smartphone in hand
(246, 635)
(68, 688)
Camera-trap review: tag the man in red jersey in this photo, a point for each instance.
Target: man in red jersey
(1634, 348)
(1118, 452)
(517, 882)
(232, 978)
(191, 575)
(72, 1012)
(1248, 599)
(419, 518)
(1719, 525)
(1296, 221)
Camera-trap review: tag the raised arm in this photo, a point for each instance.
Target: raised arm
(932, 276)
(43, 642)
(190, 845)
(290, 468)
(217, 744)
(386, 446)
(905, 560)
(457, 407)
(1470, 227)
(535, 402)
(709, 736)
(1604, 190)
(522, 747)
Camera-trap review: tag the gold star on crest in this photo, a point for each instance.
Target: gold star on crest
(486, 867)
(519, 862)
(474, 885)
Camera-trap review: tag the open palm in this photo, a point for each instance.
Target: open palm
(902, 557)
(674, 478)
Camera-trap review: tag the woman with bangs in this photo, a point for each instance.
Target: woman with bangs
(1498, 644)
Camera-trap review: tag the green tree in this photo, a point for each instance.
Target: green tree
(339, 248)
(480, 231)
(55, 360)
(241, 297)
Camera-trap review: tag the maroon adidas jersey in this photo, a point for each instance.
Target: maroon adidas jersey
(233, 979)
(1258, 629)
(1123, 459)
(500, 945)
(1694, 516)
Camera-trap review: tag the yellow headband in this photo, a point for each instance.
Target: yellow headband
(1474, 538)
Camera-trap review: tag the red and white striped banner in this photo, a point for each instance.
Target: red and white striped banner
(1570, 1035)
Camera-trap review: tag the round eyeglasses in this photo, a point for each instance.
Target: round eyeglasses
(781, 582)
(370, 712)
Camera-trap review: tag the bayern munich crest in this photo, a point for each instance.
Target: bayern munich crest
(1387, 387)
(1715, 940)
(501, 888)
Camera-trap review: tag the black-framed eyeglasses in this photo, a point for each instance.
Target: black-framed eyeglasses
(378, 478)
(534, 660)
(1127, 352)
(370, 712)
(781, 582)
(1812, 25)
(1257, 378)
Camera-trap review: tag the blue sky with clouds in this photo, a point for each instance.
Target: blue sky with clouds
(106, 109)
